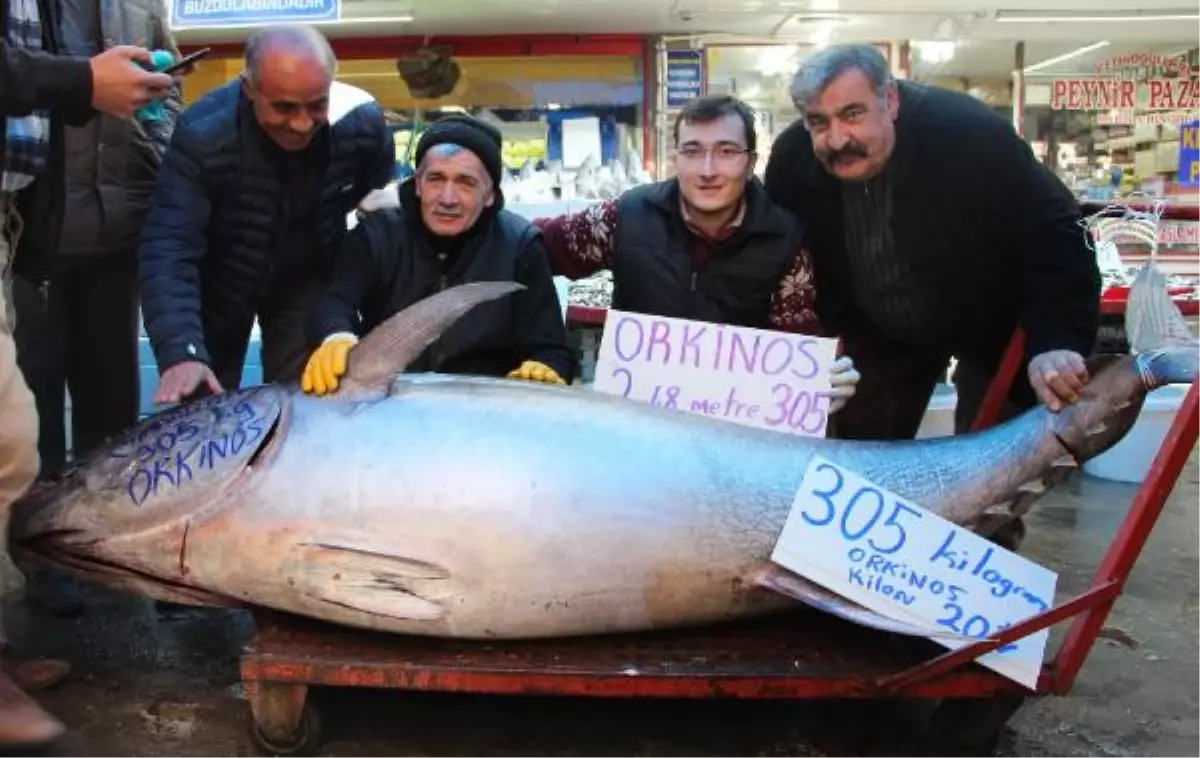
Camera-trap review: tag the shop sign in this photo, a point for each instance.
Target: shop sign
(193, 14)
(685, 76)
(1189, 154)
(1137, 88)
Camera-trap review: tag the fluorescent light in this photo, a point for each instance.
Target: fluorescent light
(934, 51)
(1004, 17)
(1066, 56)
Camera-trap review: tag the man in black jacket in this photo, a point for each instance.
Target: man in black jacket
(39, 91)
(451, 228)
(935, 233)
(250, 206)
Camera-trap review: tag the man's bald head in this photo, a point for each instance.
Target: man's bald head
(289, 70)
(296, 40)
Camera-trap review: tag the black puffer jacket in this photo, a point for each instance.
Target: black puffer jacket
(207, 250)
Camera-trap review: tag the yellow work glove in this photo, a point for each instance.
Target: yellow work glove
(532, 371)
(327, 363)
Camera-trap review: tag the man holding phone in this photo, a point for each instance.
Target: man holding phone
(76, 298)
(41, 89)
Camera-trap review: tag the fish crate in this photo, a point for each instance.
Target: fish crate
(799, 654)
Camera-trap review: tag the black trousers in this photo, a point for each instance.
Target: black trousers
(282, 321)
(82, 337)
(897, 384)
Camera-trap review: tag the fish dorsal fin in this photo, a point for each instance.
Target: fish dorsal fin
(390, 347)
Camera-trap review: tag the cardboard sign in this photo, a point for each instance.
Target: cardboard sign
(756, 377)
(908, 563)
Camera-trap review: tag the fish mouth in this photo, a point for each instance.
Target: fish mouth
(49, 547)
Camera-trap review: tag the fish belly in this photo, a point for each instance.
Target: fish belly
(472, 509)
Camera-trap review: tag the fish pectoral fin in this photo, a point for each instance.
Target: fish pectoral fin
(779, 579)
(359, 551)
(376, 600)
(369, 579)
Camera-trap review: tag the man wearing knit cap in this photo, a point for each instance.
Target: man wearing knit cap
(451, 228)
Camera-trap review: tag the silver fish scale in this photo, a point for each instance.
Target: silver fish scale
(953, 474)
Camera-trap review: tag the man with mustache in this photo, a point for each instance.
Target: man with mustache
(449, 227)
(250, 206)
(935, 233)
(706, 245)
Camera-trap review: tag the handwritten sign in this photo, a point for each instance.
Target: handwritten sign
(754, 377)
(908, 563)
(168, 451)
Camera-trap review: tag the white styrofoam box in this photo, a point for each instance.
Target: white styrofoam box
(939, 414)
(1129, 460)
(562, 286)
(549, 209)
(1145, 132)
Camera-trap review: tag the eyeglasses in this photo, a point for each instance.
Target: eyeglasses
(721, 155)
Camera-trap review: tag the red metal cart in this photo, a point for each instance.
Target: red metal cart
(804, 654)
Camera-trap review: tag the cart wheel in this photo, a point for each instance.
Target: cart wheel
(305, 741)
(968, 726)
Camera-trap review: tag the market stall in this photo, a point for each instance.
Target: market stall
(558, 101)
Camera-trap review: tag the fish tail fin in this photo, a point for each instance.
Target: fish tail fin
(1152, 320)
(390, 347)
(1167, 351)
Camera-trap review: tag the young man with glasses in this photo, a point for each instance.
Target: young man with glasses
(707, 244)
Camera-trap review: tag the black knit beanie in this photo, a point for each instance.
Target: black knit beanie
(479, 137)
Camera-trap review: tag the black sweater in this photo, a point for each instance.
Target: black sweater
(988, 237)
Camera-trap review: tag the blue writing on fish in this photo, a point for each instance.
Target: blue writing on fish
(168, 453)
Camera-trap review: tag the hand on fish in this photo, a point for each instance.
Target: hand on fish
(327, 364)
(1057, 376)
(533, 371)
(182, 379)
(844, 380)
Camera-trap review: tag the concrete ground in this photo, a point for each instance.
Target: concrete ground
(147, 683)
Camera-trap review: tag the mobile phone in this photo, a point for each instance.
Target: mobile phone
(186, 61)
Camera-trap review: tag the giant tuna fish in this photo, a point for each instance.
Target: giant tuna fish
(492, 508)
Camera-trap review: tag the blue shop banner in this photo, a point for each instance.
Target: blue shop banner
(1189, 154)
(685, 76)
(196, 14)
